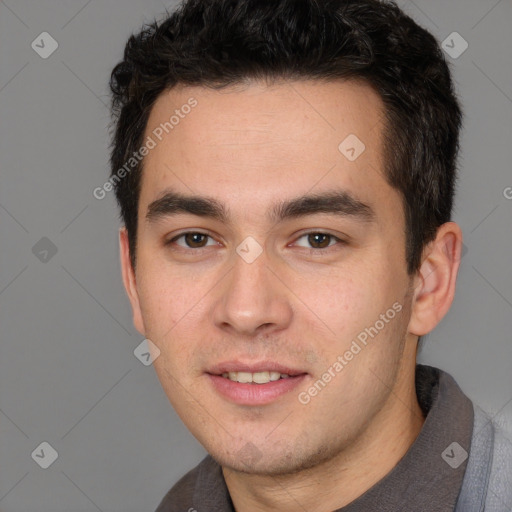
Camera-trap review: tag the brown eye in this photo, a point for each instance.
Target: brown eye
(192, 240)
(319, 240)
(195, 240)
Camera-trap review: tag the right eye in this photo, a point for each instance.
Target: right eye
(192, 240)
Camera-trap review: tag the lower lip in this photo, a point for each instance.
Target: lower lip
(254, 394)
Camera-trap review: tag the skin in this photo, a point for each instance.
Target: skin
(250, 147)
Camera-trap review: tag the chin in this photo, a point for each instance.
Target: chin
(271, 462)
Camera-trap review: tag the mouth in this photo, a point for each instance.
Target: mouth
(263, 377)
(254, 384)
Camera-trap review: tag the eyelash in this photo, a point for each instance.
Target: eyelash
(338, 240)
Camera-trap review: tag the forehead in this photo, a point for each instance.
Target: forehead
(252, 143)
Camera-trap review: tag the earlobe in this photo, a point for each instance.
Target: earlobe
(435, 281)
(129, 280)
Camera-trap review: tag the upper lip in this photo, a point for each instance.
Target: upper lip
(238, 366)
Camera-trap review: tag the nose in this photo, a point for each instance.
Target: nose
(253, 299)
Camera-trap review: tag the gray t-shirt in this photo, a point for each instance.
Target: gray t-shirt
(428, 478)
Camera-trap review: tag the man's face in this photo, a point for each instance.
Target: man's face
(313, 275)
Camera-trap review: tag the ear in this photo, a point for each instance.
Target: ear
(129, 280)
(435, 281)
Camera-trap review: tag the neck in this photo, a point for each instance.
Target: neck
(343, 478)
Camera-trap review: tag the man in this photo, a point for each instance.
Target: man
(285, 172)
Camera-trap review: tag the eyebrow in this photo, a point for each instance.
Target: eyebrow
(340, 203)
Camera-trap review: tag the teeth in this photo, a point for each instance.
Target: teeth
(243, 377)
(257, 377)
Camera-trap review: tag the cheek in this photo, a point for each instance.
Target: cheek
(357, 315)
(167, 298)
(174, 307)
(344, 301)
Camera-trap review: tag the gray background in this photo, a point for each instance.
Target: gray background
(68, 374)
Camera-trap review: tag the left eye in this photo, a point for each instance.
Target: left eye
(318, 240)
(193, 240)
